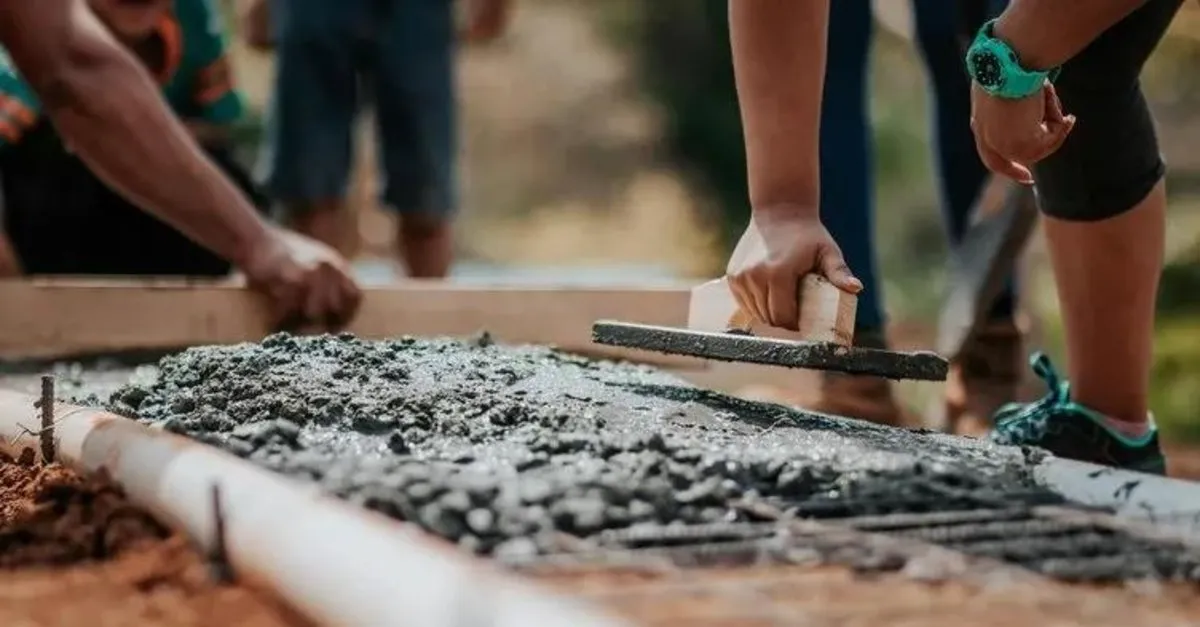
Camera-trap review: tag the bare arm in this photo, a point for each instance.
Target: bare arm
(1047, 33)
(779, 64)
(110, 113)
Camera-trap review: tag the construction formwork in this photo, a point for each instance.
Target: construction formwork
(1109, 526)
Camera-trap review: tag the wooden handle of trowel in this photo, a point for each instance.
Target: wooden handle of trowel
(826, 312)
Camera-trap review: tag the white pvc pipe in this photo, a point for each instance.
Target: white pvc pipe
(1161, 501)
(336, 563)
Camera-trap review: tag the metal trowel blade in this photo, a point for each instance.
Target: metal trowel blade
(740, 347)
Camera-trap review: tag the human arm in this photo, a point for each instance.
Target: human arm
(1012, 135)
(779, 67)
(1047, 34)
(100, 98)
(110, 113)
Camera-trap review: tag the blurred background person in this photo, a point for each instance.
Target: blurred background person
(59, 216)
(334, 59)
(989, 372)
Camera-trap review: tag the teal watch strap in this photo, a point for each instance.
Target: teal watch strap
(995, 67)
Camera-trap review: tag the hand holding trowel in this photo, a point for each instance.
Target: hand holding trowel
(719, 328)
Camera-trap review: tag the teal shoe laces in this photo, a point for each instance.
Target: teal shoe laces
(1028, 422)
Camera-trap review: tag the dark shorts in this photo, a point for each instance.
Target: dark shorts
(61, 219)
(1111, 160)
(336, 57)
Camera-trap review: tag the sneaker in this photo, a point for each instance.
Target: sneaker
(985, 377)
(1072, 431)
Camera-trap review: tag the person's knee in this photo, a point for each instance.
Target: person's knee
(316, 170)
(424, 225)
(1109, 163)
(420, 187)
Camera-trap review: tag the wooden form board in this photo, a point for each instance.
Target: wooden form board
(47, 319)
(55, 318)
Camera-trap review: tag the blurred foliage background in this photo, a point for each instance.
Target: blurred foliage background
(608, 133)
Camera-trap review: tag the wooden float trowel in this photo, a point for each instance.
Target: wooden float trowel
(719, 329)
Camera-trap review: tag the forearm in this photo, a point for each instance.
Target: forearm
(118, 124)
(779, 66)
(110, 113)
(1048, 33)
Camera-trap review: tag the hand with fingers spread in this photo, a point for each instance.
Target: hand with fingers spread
(782, 245)
(306, 281)
(1013, 134)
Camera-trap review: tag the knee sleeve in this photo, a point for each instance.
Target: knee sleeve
(1111, 160)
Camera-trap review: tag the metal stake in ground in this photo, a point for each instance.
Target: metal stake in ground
(218, 557)
(46, 405)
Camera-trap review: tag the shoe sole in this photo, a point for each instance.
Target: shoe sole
(981, 264)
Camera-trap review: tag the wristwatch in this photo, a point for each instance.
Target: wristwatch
(995, 67)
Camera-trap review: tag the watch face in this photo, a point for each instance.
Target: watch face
(987, 68)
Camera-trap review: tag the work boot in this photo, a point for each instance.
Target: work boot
(862, 397)
(984, 378)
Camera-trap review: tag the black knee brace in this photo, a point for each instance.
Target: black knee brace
(1111, 161)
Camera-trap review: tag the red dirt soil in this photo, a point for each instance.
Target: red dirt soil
(75, 552)
(829, 597)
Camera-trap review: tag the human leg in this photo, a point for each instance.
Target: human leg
(847, 208)
(412, 78)
(986, 374)
(1104, 200)
(311, 115)
(847, 180)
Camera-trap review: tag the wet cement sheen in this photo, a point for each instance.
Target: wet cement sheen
(502, 448)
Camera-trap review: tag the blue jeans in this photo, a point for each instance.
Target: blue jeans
(847, 184)
(335, 57)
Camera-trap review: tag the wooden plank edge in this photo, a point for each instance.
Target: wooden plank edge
(46, 319)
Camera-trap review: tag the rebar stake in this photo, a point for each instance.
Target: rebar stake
(46, 405)
(218, 559)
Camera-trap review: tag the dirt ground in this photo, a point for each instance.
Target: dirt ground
(1183, 461)
(76, 552)
(820, 597)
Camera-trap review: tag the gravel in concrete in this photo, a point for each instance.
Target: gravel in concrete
(504, 449)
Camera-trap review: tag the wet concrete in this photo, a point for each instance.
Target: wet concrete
(744, 348)
(505, 449)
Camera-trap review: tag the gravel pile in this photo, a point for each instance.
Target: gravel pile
(505, 449)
